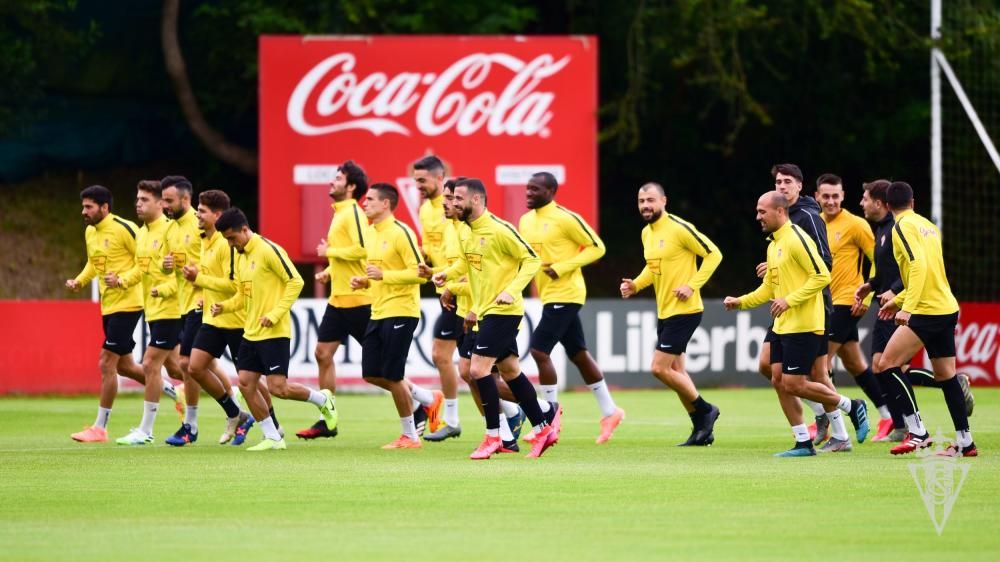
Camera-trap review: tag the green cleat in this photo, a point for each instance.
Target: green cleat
(803, 449)
(135, 437)
(269, 444)
(329, 411)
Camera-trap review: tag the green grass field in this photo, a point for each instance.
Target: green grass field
(636, 498)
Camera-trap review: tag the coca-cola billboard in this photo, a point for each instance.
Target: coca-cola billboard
(977, 343)
(496, 108)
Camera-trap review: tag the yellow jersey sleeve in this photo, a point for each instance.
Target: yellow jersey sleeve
(700, 245)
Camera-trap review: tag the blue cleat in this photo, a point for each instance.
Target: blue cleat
(859, 417)
(242, 430)
(183, 436)
(803, 449)
(516, 424)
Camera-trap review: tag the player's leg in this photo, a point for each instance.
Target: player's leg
(938, 336)
(547, 333)
(446, 330)
(545, 424)
(902, 345)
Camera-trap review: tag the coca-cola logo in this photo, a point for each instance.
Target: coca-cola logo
(332, 97)
(976, 348)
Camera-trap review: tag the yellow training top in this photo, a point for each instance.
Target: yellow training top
(453, 240)
(496, 260)
(566, 242)
(346, 253)
(268, 286)
(851, 239)
(111, 249)
(435, 227)
(393, 249)
(152, 245)
(796, 273)
(916, 244)
(185, 245)
(672, 247)
(217, 278)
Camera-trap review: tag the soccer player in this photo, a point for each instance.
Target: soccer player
(671, 247)
(110, 248)
(565, 244)
(268, 285)
(215, 276)
(797, 306)
(499, 265)
(160, 300)
(393, 279)
(437, 230)
(851, 241)
(926, 312)
(348, 310)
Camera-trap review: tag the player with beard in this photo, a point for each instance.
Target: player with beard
(672, 247)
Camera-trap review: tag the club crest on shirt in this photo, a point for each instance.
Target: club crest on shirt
(662, 241)
(253, 265)
(779, 252)
(837, 235)
(482, 241)
(545, 226)
(107, 243)
(156, 244)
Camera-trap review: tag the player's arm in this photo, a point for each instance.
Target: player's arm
(133, 275)
(760, 295)
(356, 249)
(225, 284)
(86, 275)
(865, 239)
(528, 262)
(281, 266)
(592, 246)
(169, 286)
(406, 247)
(906, 239)
(459, 288)
(645, 277)
(819, 276)
(704, 248)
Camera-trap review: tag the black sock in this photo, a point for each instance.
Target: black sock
(700, 406)
(897, 415)
(869, 385)
(489, 397)
(527, 398)
(922, 377)
(274, 418)
(227, 403)
(899, 392)
(956, 403)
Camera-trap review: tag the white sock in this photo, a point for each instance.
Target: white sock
(191, 417)
(963, 438)
(169, 389)
(505, 433)
(801, 433)
(603, 396)
(451, 412)
(148, 416)
(816, 407)
(510, 409)
(844, 405)
(883, 412)
(103, 415)
(409, 427)
(492, 432)
(317, 398)
(837, 428)
(915, 425)
(270, 432)
(550, 392)
(415, 405)
(422, 395)
(545, 406)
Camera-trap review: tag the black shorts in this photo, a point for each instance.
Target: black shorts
(936, 332)
(674, 333)
(214, 340)
(448, 325)
(466, 343)
(560, 323)
(881, 333)
(267, 357)
(797, 352)
(386, 346)
(497, 336)
(339, 323)
(165, 334)
(189, 330)
(843, 326)
(118, 330)
(824, 343)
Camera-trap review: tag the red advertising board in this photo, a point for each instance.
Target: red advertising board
(498, 108)
(977, 343)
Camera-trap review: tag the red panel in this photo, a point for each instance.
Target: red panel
(486, 106)
(50, 346)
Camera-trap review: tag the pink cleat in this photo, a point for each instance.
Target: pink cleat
(487, 448)
(92, 434)
(608, 425)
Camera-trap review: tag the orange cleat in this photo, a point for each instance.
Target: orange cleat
(487, 448)
(608, 425)
(92, 434)
(434, 421)
(403, 442)
(547, 437)
(884, 429)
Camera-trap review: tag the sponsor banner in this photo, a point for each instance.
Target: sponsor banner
(977, 343)
(499, 108)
